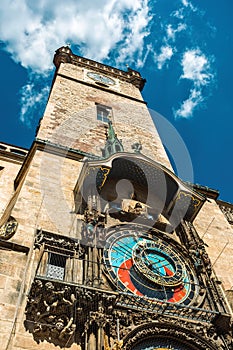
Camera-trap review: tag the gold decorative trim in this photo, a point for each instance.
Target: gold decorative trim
(105, 172)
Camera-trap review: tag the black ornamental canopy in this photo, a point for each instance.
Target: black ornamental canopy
(134, 176)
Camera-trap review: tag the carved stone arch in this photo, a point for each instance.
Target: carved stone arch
(159, 332)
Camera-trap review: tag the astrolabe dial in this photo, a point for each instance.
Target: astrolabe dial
(158, 262)
(149, 266)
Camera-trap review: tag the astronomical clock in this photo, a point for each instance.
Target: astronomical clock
(133, 273)
(144, 263)
(138, 279)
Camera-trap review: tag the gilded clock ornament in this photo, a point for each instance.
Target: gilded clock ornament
(100, 78)
(149, 266)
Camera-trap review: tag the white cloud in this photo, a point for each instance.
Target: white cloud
(32, 30)
(188, 106)
(33, 96)
(178, 13)
(98, 26)
(187, 3)
(168, 48)
(135, 33)
(117, 30)
(183, 12)
(196, 68)
(171, 32)
(143, 57)
(164, 56)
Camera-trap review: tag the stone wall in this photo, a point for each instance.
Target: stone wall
(70, 117)
(45, 200)
(9, 167)
(213, 227)
(45, 197)
(12, 266)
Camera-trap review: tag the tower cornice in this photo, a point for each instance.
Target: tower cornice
(65, 55)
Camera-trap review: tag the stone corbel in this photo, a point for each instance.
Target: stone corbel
(8, 229)
(50, 313)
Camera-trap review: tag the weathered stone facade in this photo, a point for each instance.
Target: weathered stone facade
(70, 116)
(60, 204)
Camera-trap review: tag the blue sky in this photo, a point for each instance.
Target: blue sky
(184, 48)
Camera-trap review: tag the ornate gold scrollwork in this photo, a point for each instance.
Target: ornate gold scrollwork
(193, 201)
(105, 171)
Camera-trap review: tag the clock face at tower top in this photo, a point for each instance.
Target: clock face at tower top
(100, 78)
(149, 267)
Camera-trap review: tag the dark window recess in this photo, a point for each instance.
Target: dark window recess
(104, 113)
(56, 266)
(19, 152)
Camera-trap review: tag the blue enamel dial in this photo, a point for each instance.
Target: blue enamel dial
(150, 266)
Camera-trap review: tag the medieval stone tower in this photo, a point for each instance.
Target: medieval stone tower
(102, 246)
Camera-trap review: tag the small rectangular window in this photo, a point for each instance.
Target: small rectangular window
(104, 113)
(56, 266)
